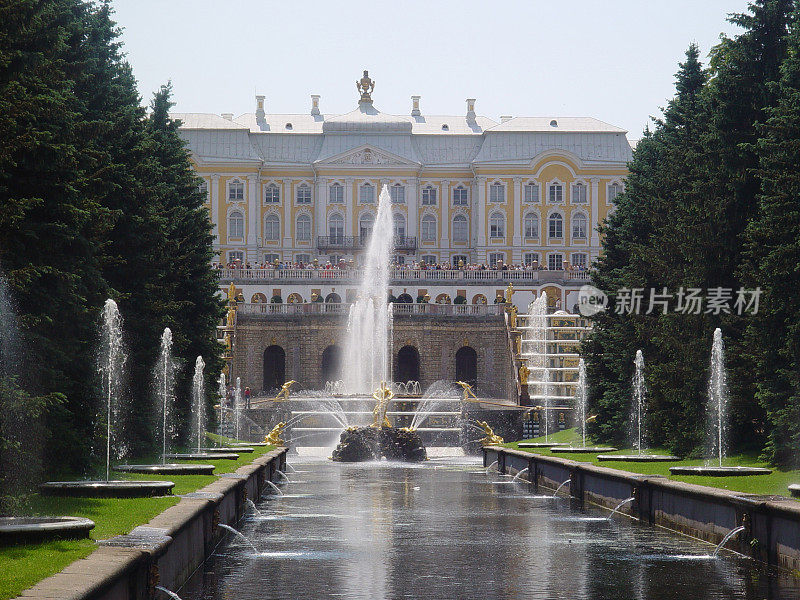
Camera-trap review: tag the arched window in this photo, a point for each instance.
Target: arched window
(497, 225)
(428, 228)
(555, 226)
(336, 194)
(497, 192)
(272, 228)
(399, 225)
(579, 193)
(460, 196)
(531, 192)
(235, 191)
(365, 224)
(531, 225)
(398, 194)
(303, 194)
(614, 190)
(429, 196)
(366, 194)
(579, 226)
(236, 224)
(336, 228)
(272, 194)
(460, 233)
(555, 194)
(303, 233)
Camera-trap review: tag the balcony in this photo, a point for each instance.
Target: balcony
(268, 310)
(401, 276)
(349, 243)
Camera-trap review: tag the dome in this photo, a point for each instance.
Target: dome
(367, 119)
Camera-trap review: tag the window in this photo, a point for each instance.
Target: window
(497, 226)
(496, 257)
(556, 193)
(336, 228)
(336, 194)
(530, 257)
(429, 259)
(271, 258)
(555, 226)
(531, 192)
(460, 196)
(579, 226)
(614, 190)
(459, 258)
(303, 233)
(272, 194)
(497, 192)
(460, 229)
(399, 225)
(579, 260)
(235, 255)
(555, 262)
(428, 196)
(399, 260)
(303, 194)
(272, 228)
(366, 194)
(398, 194)
(336, 258)
(302, 258)
(579, 193)
(531, 225)
(235, 190)
(236, 224)
(365, 224)
(428, 228)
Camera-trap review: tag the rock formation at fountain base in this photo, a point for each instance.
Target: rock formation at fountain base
(358, 444)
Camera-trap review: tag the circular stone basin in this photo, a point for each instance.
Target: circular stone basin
(794, 489)
(23, 530)
(242, 449)
(168, 469)
(582, 449)
(638, 457)
(107, 489)
(202, 456)
(541, 444)
(720, 471)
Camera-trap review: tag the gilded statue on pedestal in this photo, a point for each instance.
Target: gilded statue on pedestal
(382, 395)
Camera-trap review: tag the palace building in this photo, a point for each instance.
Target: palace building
(299, 187)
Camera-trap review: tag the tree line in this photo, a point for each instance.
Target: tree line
(97, 200)
(712, 203)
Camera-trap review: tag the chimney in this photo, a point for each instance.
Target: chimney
(504, 118)
(227, 116)
(315, 104)
(470, 109)
(415, 106)
(260, 108)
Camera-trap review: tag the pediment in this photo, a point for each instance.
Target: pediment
(368, 155)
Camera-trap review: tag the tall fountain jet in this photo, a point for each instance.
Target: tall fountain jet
(637, 409)
(199, 400)
(110, 365)
(165, 384)
(369, 323)
(538, 349)
(581, 397)
(717, 397)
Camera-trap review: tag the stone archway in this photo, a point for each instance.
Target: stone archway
(404, 299)
(333, 298)
(467, 366)
(331, 363)
(407, 365)
(274, 368)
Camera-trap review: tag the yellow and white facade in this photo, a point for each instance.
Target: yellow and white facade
(299, 187)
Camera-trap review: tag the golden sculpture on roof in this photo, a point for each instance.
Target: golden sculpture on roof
(365, 85)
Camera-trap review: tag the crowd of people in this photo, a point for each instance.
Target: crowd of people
(412, 266)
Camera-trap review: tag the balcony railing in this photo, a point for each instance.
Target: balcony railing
(326, 243)
(397, 276)
(327, 308)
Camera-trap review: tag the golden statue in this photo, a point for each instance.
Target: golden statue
(382, 395)
(469, 395)
(231, 317)
(512, 317)
(231, 293)
(284, 393)
(509, 293)
(274, 437)
(365, 85)
(491, 438)
(523, 373)
(519, 345)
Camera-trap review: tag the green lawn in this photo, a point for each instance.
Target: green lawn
(26, 564)
(775, 483)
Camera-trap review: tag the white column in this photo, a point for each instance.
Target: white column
(321, 200)
(288, 199)
(253, 202)
(412, 194)
(517, 239)
(480, 215)
(594, 218)
(348, 206)
(215, 207)
(445, 224)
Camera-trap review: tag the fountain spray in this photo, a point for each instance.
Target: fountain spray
(639, 392)
(199, 399)
(581, 397)
(718, 396)
(165, 381)
(110, 367)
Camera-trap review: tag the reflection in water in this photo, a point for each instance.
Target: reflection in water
(444, 530)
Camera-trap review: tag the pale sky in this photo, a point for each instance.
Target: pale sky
(610, 59)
